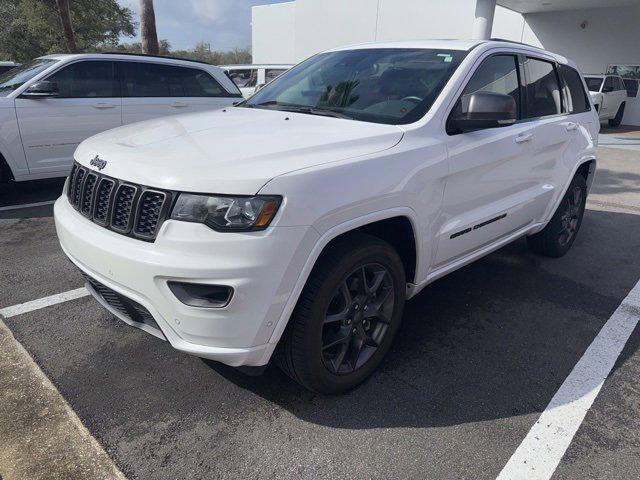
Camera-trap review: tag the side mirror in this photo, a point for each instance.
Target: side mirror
(482, 110)
(607, 89)
(42, 89)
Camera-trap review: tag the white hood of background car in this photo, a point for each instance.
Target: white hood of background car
(233, 152)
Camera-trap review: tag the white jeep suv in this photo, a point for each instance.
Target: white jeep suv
(609, 96)
(297, 223)
(49, 105)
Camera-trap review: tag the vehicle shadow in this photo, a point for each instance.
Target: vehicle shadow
(492, 340)
(16, 193)
(613, 182)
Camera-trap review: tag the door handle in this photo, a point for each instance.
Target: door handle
(179, 104)
(525, 137)
(571, 126)
(103, 106)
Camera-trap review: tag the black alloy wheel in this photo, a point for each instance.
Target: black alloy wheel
(570, 219)
(357, 318)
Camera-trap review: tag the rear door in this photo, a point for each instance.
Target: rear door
(488, 193)
(198, 89)
(556, 130)
(613, 94)
(88, 103)
(152, 90)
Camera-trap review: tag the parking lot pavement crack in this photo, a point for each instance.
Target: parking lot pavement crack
(40, 435)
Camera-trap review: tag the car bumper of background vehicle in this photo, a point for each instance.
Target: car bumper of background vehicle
(259, 266)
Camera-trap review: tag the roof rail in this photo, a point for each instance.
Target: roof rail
(155, 56)
(495, 39)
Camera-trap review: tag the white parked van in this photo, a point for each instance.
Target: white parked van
(49, 105)
(250, 78)
(297, 223)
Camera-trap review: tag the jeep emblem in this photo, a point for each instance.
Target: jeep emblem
(98, 162)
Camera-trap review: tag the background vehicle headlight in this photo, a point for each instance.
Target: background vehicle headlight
(227, 213)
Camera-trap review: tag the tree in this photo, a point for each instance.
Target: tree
(148, 28)
(67, 27)
(30, 28)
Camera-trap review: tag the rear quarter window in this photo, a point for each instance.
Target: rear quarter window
(574, 95)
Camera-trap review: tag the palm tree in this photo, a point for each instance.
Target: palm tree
(148, 28)
(65, 18)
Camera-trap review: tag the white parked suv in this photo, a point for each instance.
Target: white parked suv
(49, 105)
(609, 95)
(297, 223)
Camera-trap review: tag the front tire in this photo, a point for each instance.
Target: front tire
(346, 317)
(558, 236)
(617, 120)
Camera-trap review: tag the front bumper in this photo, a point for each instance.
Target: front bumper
(261, 267)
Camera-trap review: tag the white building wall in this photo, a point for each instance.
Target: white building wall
(325, 24)
(273, 33)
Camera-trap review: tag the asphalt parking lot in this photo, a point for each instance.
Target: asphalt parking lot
(479, 356)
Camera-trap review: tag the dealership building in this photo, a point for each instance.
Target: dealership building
(600, 35)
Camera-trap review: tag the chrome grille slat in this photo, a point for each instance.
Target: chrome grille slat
(128, 209)
(106, 187)
(122, 210)
(148, 213)
(86, 203)
(77, 186)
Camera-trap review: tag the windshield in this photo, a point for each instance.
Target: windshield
(383, 85)
(16, 77)
(593, 83)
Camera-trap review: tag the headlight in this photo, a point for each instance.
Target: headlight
(227, 213)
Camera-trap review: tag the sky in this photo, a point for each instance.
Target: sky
(225, 24)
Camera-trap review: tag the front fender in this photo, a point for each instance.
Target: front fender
(320, 245)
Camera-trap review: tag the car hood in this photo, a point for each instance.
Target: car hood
(235, 151)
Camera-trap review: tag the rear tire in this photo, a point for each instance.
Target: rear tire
(343, 326)
(617, 120)
(558, 236)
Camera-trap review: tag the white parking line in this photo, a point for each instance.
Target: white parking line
(26, 205)
(9, 312)
(539, 454)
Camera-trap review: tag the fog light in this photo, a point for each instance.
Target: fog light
(201, 295)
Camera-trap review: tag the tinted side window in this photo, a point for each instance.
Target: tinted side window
(631, 86)
(141, 79)
(608, 84)
(193, 82)
(574, 94)
(543, 91)
(497, 74)
(244, 78)
(620, 84)
(271, 73)
(90, 79)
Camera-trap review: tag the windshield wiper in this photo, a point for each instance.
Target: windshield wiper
(314, 111)
(298, 109)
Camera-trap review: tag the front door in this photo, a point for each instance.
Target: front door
(488, 192)
(51, 128)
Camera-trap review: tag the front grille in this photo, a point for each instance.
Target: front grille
(133, 210)
(123, 305)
